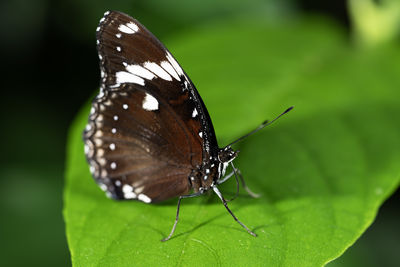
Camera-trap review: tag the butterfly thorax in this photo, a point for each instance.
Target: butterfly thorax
(204, 177)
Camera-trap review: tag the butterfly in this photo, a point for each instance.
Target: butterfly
(149, 136)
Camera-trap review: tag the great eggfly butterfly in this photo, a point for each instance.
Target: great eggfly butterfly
(149, 135)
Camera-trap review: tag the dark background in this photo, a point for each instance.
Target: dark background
(49, 70)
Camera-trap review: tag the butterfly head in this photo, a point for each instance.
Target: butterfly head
(227, 154)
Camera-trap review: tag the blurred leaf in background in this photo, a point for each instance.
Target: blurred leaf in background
(166, 17)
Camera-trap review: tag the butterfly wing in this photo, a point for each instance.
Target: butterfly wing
(148, 127)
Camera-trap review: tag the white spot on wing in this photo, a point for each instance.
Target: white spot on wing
(130, 195)
(128, 191)
(139, 190)
(157, 70)
(100, 153)
(113, 165)
(118, 35)
(194, 114)
(100, 117)
(112, 146)
(174, 64)
(118, 48)
(201, 134)
(139, 71)
(125, 106)
(98, 142)
(186, 85)
(115, 117)
(168, 67)
(113, 130)
(127, 188)
(103, 187)
(126, 77)
(101, 94)
(150, 103)
(98, 133)
(129, 28)
(144, 198)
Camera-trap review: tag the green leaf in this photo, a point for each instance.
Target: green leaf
(323, 170)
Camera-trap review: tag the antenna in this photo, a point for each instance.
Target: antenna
(265, 123)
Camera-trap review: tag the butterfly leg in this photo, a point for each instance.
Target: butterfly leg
(251, 193)
(237, 173)
(224, 179)
(227, 208)
(177, 213)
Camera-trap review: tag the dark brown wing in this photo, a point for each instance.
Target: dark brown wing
(131, 145)
(148, 127)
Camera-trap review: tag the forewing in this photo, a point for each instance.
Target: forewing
(129, 53)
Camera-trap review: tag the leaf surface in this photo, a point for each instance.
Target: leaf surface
(323, 170)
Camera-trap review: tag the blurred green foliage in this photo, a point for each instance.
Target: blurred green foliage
(341, 169)
(375, 22)
(165, 17)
